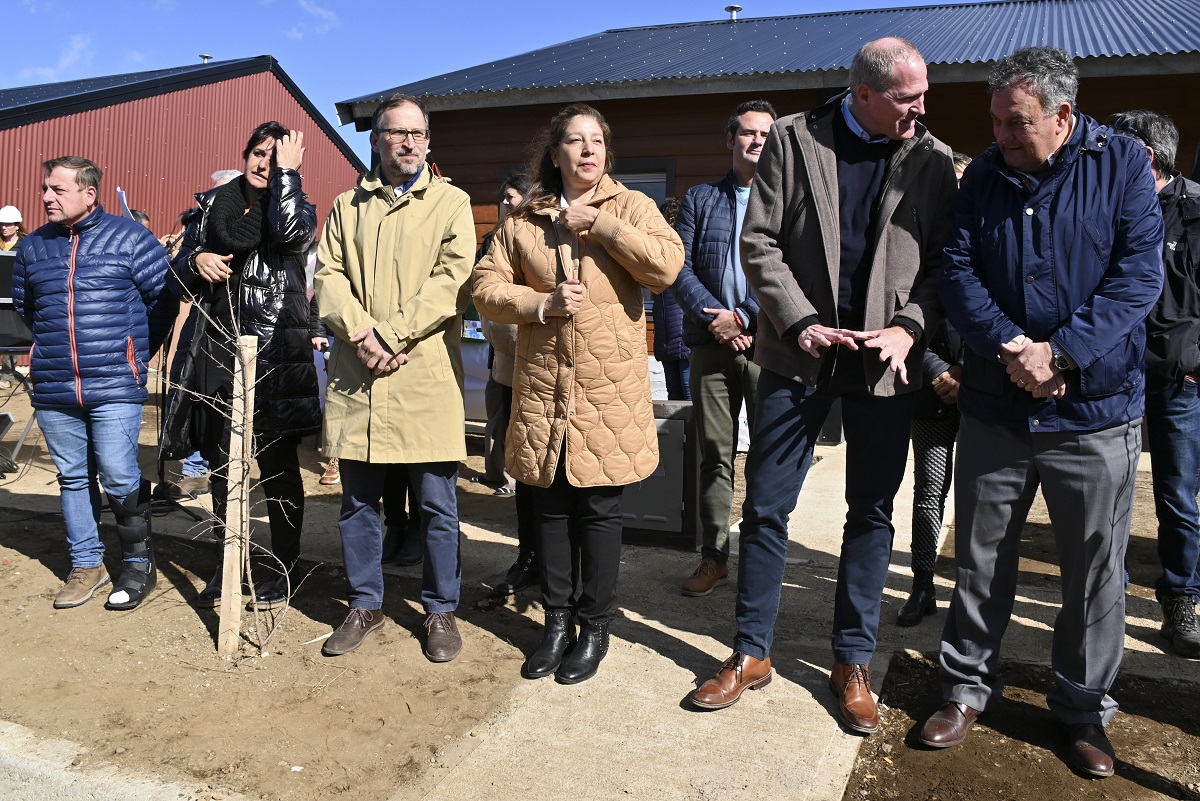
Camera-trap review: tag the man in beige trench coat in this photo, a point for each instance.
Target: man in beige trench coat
(393, 260)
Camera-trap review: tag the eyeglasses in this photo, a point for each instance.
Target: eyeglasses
(400, 134)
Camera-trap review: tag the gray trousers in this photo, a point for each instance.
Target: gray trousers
(721, 379)
(1087, 479)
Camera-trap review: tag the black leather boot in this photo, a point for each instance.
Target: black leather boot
(558, 637)
(522, 575)
(584, 659)
(921, 601)
(138, 573)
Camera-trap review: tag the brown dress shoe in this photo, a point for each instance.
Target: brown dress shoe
(80, 586)
(948, 726)
(856, 706)
(708, 575)
(1090, 752)
(354, 629)
(442, 640)
(739, 673)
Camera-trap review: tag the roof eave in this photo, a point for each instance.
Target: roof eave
(359, 110)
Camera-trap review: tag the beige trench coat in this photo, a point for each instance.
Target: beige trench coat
(398, 265)
(585, 377)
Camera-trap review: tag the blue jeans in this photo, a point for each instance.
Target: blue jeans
(1173, 434)
(195, 466)
(362, 535)
(86, 443)
(786, 426)
(676, 372)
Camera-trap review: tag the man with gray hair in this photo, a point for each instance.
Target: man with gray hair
(1051, 267)
(1172, 370)
(844, 229)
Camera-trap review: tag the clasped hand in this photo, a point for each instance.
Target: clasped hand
(566, 299)
(1030, 366)
(375, 353)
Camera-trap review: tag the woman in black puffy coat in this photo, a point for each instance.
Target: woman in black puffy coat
(242, 264)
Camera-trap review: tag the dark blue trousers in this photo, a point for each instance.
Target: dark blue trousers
(362, 535)
(787, 423)
(1173, 434)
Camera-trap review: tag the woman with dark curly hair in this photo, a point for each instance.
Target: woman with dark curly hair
(242, 262)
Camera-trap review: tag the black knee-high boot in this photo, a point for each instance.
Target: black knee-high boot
(138, 572)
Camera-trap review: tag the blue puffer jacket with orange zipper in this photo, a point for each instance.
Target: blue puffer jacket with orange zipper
(90, 294)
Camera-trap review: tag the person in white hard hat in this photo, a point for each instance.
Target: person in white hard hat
(12, 231)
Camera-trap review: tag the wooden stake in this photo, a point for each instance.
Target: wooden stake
(237, 510)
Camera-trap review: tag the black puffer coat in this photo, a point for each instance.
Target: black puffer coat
(272, 303)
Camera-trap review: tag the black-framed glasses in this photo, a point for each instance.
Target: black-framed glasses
(400, 134)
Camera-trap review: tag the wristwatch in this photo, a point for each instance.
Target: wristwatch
(1060, 359)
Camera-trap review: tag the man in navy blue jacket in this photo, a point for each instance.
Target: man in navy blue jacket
(88, 285)
(1051, 267)
(720, 321)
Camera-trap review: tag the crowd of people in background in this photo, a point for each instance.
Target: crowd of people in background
(1030, 307)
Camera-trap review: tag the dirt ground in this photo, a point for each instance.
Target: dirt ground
(145, 690)
(1017, 751)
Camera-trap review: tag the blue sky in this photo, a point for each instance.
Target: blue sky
(333, 49)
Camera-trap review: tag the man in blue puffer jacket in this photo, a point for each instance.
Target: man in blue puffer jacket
(719, 325)
(88, 285)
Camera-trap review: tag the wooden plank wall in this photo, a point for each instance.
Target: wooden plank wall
(476, 148)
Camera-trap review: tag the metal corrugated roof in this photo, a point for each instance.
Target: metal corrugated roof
(947, 34)
(27, 105)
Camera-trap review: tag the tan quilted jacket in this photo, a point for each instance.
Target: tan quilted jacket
(584, 377)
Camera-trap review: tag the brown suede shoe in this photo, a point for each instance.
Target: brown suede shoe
(708, 575)
(354, 629)
(442, 640)
(948, 726)
(80, 585)
(1090, 752)
(739, 673)
(856, 706)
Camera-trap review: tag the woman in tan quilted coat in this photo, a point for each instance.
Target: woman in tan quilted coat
(568, 267)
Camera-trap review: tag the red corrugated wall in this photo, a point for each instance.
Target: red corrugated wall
(161, 150)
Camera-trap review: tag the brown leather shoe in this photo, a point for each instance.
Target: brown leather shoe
(1090, 752)
(948, 726)
(80, 586)
(354, 629)
(856, 706)
(739, 673)
(708, 575)
(442, 640)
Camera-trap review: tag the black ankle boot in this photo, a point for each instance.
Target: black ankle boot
(138, 572)
(558, 637)
(522, 575)
(584, 659)
(921, 601)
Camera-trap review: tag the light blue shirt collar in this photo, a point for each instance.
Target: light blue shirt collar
(857, 129)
